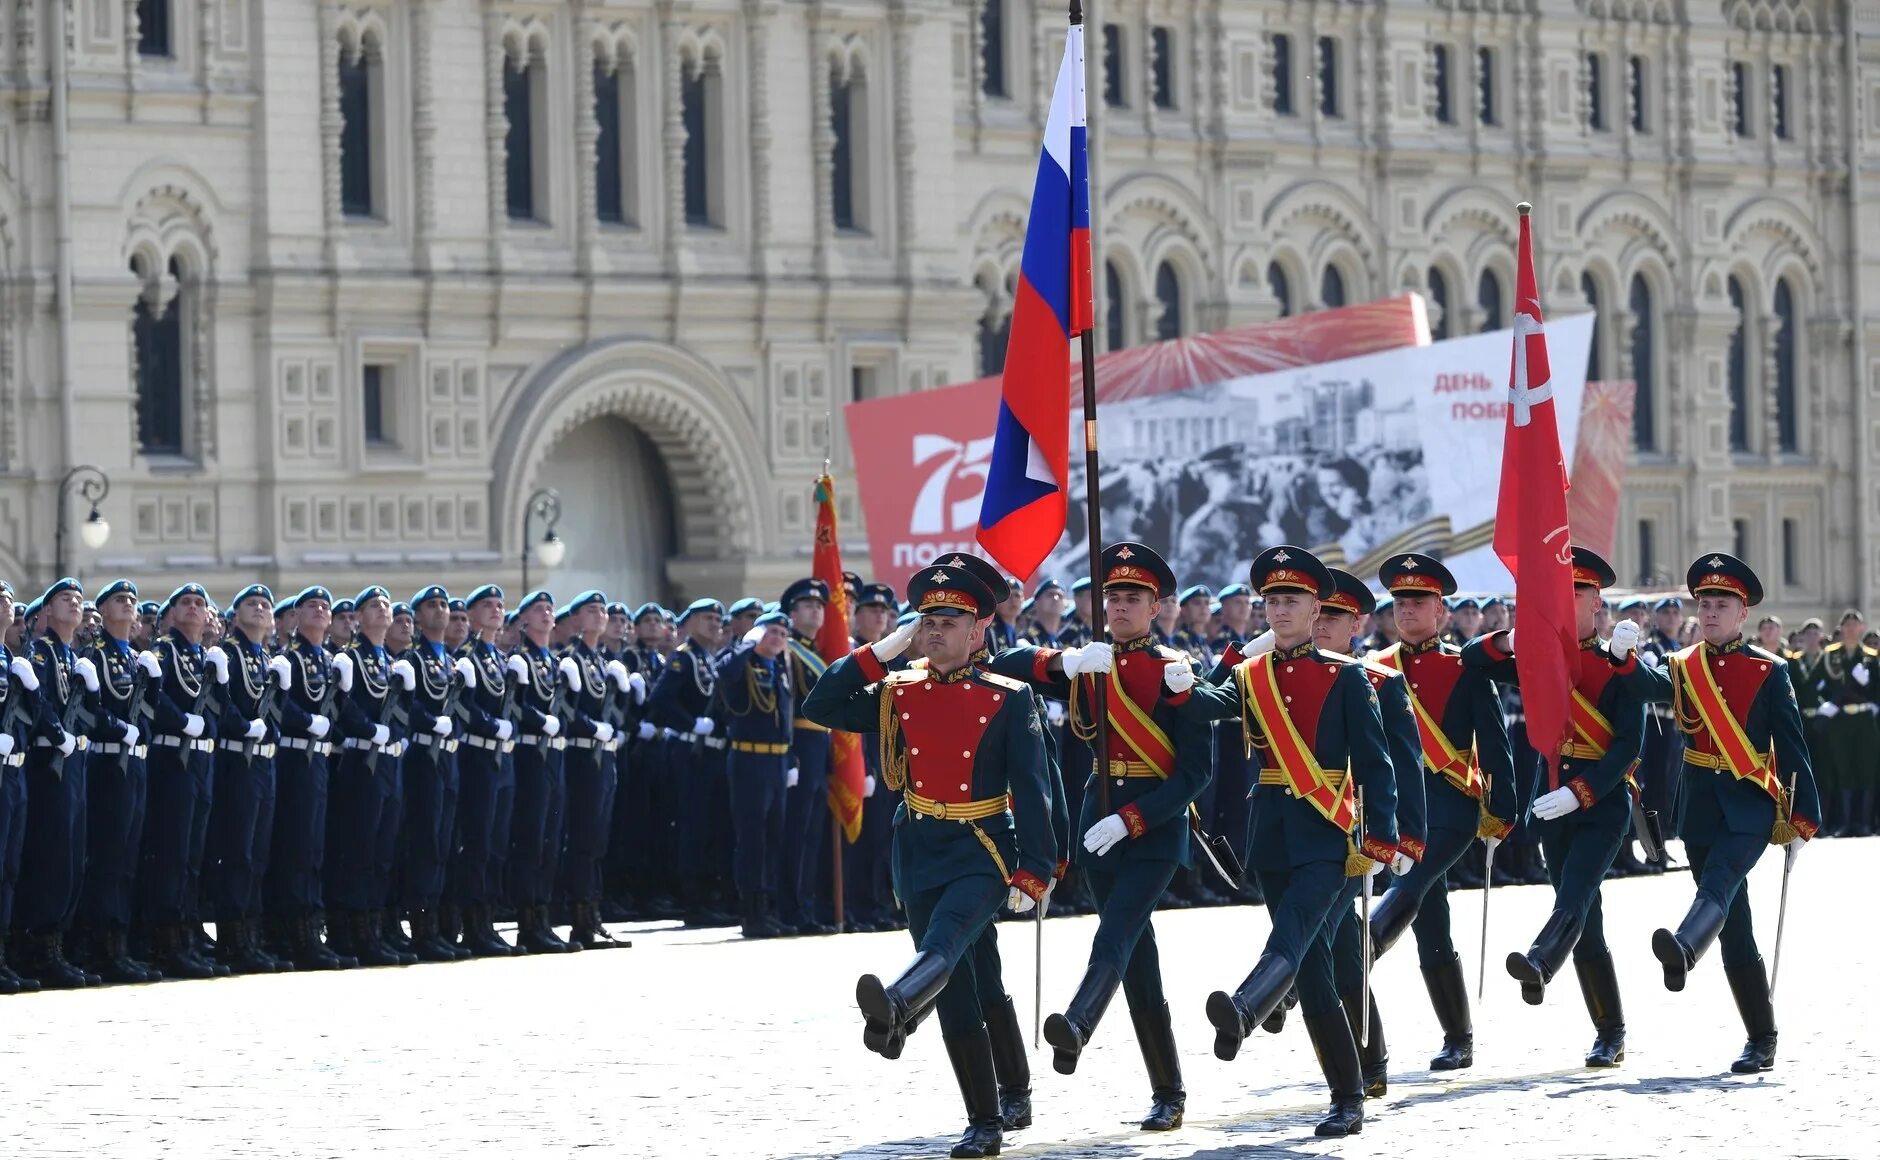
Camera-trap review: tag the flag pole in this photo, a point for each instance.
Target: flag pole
(1093, 519)
(835, 824)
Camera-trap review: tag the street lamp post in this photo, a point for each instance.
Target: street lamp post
(544, 505)
(93, 485)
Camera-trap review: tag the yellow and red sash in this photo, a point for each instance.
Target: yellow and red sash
(1458, 769)
(1259, 692)
(1589, 724)
(1693, 667)
(1137, 729)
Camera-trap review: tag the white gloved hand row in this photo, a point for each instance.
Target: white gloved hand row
(752, 637)
(87, 672)
(466, 669)
(152, 667)
(132, 735)
(217, 660)
(1556, 804)
(406, 674)
(648, 731)
(1624, 639)
(283, 670)
(792, 777)
(1099, 838)
(895, 643)
(703, 726)
(67, 743)
(868, 786)
(257, 729)
(1178, 676)
(638, 684)
(318, 726)
(442, 726)
(518, 668)
(193, 725)
(1019, 902)
(381, 735)
(343, 665)
(6, 744)
(22, 671)
(603, 732)
(570, 672)
(1055, 712)
(551, 725)
(617, 673)
(1401, 864)
(505, 730)
(1828, 709)
(1376, 868)
(1862, 676)
(1095, 657)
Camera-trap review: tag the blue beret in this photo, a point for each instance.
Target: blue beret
(434, 592)
(1029, 601)
(287, 605)
(615, 608)
(591, 596)
(344, 604)
(1214, 608)
(698, 606)
(1493, 602)
(1235, 590)
(1081, 584)
(1631, 602)
(252, 590)
(650, 608)
(170, 602)
(401, 609)
(809, 588)
(770, 618)
(561, 614)
(1669, 602)
(1385, 603)
(31, 611)
(1193, 591)
(372, 592)
(457, 606)
(67, 584)
(509, 618)
(478, 595)
(6, 586)
(539, 596)
(748, 604)
(111, 589)
(147, 608)
(1044, 586)
(773, 606)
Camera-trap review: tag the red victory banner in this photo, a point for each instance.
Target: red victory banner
(832, 642)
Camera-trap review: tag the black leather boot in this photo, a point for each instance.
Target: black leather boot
(10, 982)
(888, 1012)
(363, 942)
(308, 953)
(1751, 988)
(233, 949)
(425, 942)
(1544, 959)
(1449, 995)
(1599, 984)
(1235, 1016)
(114, 960)
(587, 931)
(1068, 1033)
(178, 958)
(1373, 1055)
(1275, 1023)
(1338, 1059)
(534, 934)
(1679, 952)
(55, 973)
(971, 1055)
(480, 938)
(1155, 1035)
(757, 921)
(391, 933)
(1390, 918)
(1010, 1064)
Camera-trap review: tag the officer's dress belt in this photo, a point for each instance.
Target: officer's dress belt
(1716, 761)
(433, 741)
(767, 748)
(707, 742)
(361, 743)
(249, 748)
(175, 742)
(308, 744)
(955, 811)
(111, 748)
(536, 739)
(489, 743)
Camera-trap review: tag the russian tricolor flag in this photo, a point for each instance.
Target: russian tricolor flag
(1022, 515)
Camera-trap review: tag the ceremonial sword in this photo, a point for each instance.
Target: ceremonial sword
(1037, 974)
(1364, 959)
(1782, 911)
(1488, 881)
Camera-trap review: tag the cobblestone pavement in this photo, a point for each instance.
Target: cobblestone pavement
(692, 1044)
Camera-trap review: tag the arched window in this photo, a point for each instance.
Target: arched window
(1331, 287)
(1644, 366)
(1738, 371)
(1488, 297)
(1787, 352)
(361, 108)
(1168, 293)
(616, 148)
(1280, 288)
(848, 116)
(992, 47)
(701, 108)
(1113, 308)
(524, 142)
(994, 328)
(1595, 361)
(153, 28)
(1439, 298)
(157, 335)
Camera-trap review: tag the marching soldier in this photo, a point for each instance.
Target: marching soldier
(1469, 788)
(536, 827)
(116, 799)
(590, 770)
(1316, 721)
(869, 896)
(292, 882)
(681, 701)
(241, 820)
(428, 828)
(486, 776)
(802, 843)
(754, 699)
(1748, 785)
(964, 747)
(1584, 806)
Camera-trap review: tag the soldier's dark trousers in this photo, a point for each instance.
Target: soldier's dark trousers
(386, 869)
(702, 831)
(162, 870)
(297, 855)
(1661, 765)
(486, 797)
(1234, 774)
(1427, 883)
(946, 921)
(800, 849)
(1721, 859)
(1304, 902)
(756, 818)
(244, 790)
(865, 870)
(590, 779)
(355, 808)
(1126, 892)
(1580, 848)
(428, 825)
(201, 807)
(631, 853)
(535, 832)
(52, 868)
(114, 830)
(985, 968)
(12, 837)
(1345, 939)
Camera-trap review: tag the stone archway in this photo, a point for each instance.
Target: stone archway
(618, 517)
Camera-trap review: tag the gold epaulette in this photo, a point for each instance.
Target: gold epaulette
(905, 677)
(1002, 682)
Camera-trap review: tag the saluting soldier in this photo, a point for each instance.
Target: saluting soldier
(241, 822)
(803, 842)
(486, 776)
(1316, 720)
(1748, 785)
(754, 699)
(536, 827)
(292, 881)
(681, 701)
(431, 779)
(1469, 788)
(21, 714)
(591, 773)
(965, 749)
(1583, 805)
(117, 786)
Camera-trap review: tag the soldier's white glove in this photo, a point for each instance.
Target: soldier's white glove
(441, 726)
(1624, 639)
(23, 672)
(407, 676)
(6, 744)
(148, 662)
(1401, 863)
(217, 660)
(131, 736)
(1511, 642)
(868, 786)
(343, 665)
(87, 672)
(1095, 657)
(703, 726)
(1178, 676)
(551, 725)
(1827, 709)
(1376, 868)
(257, 729)
(1557, 804)
(895, 643)
(756, 634)
(617, 673)
(791, 777)
(638, 684)
(1055, 712)
(504, 731)
(570, 671)
(1792, 851)
(192, 725)
(1266, 642)
(648, 731)
(67, 743)
(518, 668)
(381, 735)
(1018, 902)
(318, 726)
(603, 732)
(1861, 675)
(283, 670)
(465, 669)
(1099, 838)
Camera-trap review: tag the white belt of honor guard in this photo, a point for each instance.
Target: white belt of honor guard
(175, 742)
(489, 743)
(308, 744)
